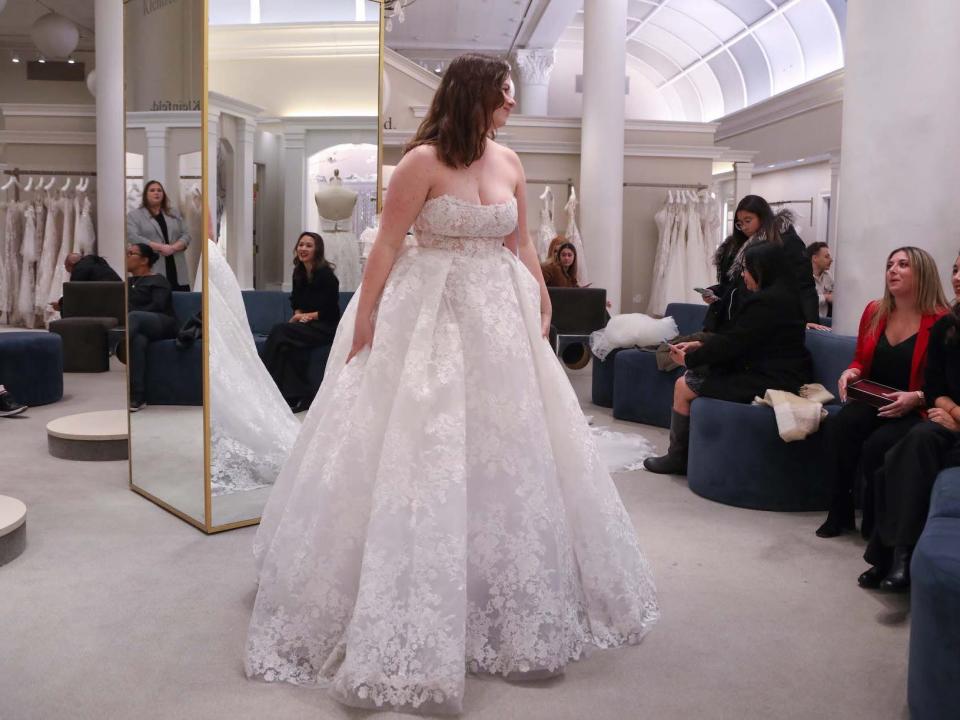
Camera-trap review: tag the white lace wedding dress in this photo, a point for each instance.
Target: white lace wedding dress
(444, 509)
(251, 426)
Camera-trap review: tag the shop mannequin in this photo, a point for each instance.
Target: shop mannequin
(336, 204)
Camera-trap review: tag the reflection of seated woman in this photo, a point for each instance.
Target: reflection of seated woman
(760, 348)
(316, 311)
(150, 318)
(891, 350)
(162, 228)
(902, 487)
(561, 269)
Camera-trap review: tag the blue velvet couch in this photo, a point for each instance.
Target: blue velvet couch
(175, 377)
(639, 395)
(933, 687)
(737, 457)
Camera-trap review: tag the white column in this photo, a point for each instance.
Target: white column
(901, 149)
(535, 66)
(111, 187)
(155, 163)
(241, 233)
(294, 181)
(834, 200)
(742, 176)
(601, 159)
(213, 142)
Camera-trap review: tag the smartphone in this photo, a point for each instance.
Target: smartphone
(705, 291)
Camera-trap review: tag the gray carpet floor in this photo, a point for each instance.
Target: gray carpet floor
(118, 609)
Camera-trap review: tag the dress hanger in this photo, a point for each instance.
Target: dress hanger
(9, 183)
(66, 185)
(29, 185)
(49, 186)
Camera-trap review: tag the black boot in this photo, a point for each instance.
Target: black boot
(840, 519)
(898, 579)
(871, 578)
(675, 461)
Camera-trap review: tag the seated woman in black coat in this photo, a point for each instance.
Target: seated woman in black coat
(150, 316)
(760, 348)
(754, 222)
(902, 486)
(316, 311)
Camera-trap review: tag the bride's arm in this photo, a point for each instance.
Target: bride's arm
(409, 186)
(527, 251)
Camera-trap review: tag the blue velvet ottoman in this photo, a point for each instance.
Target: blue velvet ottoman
(933, 686)
(639, 397)
(738, 458)
(31, 366)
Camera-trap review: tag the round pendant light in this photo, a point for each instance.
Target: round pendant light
(55, 36)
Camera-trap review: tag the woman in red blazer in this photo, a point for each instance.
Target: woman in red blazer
(891, 350)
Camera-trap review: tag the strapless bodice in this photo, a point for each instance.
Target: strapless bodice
(449, 223)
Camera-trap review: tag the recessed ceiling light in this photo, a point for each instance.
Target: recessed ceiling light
(15, 58)
(771, 165)
(41, 59)
(800, 159)
(71, 61)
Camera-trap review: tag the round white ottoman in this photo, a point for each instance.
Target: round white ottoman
(89, 436)
(13, 528)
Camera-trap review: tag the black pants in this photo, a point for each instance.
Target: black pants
(287, 356)
(857, 440)
(143, 327)
(902, 488)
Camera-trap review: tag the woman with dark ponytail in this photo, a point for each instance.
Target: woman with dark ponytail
(755, 221)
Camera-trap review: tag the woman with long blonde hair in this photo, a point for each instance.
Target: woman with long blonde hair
(891, 350)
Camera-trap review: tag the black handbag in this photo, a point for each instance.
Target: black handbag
(191, 331)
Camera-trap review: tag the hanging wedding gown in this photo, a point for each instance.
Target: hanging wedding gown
(25, 297)
(698, 256)
(546, 232)
(669, 272)
(444, 508)
(572, 234)
(46, 268)
(342, 248)
(251, 426)
(86, 235)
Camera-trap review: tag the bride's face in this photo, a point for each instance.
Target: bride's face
(502, 113)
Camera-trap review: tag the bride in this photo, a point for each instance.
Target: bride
(444, 509)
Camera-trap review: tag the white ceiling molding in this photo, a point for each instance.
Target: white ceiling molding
(46, 110)
(230, 105)
(47, 137)
(408, 67)
(307, 124)
(246, 42)
(169, 118)
(818, 93)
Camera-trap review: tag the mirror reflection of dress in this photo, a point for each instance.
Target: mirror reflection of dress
(445, 508)
(252, 428)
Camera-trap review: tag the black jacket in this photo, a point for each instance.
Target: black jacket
(732, 293)
(319, 293)
(151, 293)
(92, 268)
(761, 347)
(942, 374)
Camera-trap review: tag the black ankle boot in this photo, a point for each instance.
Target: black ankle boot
(871, 578)
(675, 461)
(898, 579)
(839, 520)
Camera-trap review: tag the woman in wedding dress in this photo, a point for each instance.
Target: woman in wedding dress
(444, 509)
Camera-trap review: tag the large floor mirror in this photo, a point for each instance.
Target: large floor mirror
(163, 74)
(292, 158)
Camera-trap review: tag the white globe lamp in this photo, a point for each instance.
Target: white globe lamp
(55, 36)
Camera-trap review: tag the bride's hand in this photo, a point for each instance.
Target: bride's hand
(545, 316)
(362, 336)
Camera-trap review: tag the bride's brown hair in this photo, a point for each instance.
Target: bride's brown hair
(460, 118)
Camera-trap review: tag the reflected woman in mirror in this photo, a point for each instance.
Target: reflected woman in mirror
(150, 316)
(561, 269)
(164, 230)
(316, 311)
(445, 509)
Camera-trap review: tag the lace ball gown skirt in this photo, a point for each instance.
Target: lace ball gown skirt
(444, 508)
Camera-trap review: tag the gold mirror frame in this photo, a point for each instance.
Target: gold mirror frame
(207, 525)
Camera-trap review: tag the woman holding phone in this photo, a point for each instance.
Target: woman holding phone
(760, 348)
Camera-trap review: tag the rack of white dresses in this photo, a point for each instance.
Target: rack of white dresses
(17, 173)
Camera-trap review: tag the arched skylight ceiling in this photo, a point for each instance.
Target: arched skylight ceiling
(709, 58)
